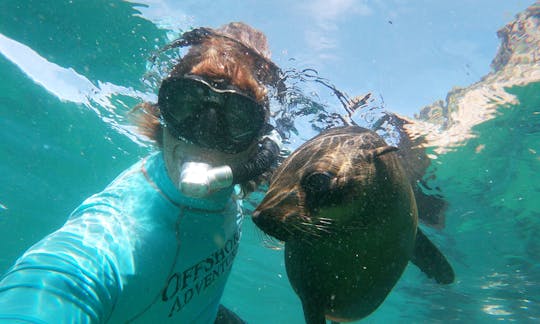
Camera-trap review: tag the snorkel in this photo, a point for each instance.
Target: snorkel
(199, 179)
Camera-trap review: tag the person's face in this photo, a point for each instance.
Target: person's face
(204, 123)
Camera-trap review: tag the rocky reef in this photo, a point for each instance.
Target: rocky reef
(448, 123)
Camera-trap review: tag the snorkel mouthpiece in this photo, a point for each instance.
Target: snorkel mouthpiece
(198, 179)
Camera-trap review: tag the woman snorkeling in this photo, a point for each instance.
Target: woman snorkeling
(158, 243)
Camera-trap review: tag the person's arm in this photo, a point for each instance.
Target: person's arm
(71, 276)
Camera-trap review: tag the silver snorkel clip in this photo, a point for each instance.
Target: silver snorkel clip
(199, 179)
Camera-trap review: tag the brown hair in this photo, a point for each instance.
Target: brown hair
(222, 55)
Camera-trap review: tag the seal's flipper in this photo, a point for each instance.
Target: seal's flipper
(431, 207)
(431, 261)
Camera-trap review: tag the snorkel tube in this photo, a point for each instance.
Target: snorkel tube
(198, 179)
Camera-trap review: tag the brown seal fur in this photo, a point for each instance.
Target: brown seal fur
(346, 211)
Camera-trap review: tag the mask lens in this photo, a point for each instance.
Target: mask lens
(243, 122)
(221, 119)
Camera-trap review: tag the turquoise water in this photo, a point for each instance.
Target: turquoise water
(64, 96)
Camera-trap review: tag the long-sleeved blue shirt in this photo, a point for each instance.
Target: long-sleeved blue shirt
(139, 251)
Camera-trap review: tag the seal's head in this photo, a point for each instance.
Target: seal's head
(318, 189)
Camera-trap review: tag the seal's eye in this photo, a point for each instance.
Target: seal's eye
(317, 182)
(317, 187)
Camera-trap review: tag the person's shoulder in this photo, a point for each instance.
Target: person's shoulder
(142, 165)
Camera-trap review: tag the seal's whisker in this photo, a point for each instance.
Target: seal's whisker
(269, 241)
(325, 224)
(310, 229)
(325, 219)
(297, 227)
(273, 244)
(288, 230)
(323, 229)
(314, 232)
(307, 231)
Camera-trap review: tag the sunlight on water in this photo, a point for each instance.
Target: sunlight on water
(495, 310)
(68, 85)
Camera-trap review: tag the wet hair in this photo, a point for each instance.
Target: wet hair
(147, 118)
(221, 55)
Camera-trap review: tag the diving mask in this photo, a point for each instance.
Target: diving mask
(210, 115)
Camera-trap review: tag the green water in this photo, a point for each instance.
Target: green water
(54, 153)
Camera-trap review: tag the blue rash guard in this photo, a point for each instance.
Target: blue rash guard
(138, 252)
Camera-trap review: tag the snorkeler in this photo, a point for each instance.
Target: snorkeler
(157, 245)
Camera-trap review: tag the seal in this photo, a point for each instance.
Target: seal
(345, 209)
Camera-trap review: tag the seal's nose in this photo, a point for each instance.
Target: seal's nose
(255, 214)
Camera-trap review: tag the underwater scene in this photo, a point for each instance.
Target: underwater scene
(455, 86)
